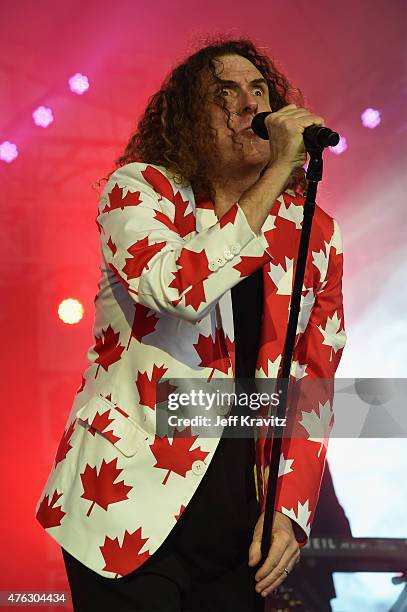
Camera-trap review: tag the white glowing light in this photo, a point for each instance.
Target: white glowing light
(8, 151)
(70, 311)
(78, 83)
(43, 116)
(370, 118)
(340, 147)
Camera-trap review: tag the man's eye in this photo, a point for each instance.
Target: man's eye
(258, 92)
(224, 91)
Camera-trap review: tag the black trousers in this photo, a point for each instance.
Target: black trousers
(202, 566)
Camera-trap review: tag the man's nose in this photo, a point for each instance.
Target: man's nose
(248, 105)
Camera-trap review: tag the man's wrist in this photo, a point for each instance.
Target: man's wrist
(279, 166)
(286, 520)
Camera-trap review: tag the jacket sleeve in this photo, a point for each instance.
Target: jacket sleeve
(144, 247)
(317, 354)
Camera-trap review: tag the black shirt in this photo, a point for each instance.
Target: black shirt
(216, 528)
(247, 301)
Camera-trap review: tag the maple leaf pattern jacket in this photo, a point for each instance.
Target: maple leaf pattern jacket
(164, 309)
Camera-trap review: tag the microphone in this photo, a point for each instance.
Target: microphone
(314, 135)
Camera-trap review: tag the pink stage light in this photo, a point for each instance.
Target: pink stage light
(340, 147)
(70, 311)
(8, 151)
(43, 116)
(370, 118)
(78, 83)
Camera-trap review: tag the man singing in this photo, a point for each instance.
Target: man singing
(199, 229)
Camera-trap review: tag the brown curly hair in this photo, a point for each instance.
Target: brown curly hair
(174, 132)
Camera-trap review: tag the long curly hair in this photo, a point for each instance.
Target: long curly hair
(174, 130)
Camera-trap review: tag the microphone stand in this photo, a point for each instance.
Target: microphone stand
(314, 175)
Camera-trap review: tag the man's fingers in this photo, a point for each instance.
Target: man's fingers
(286, 131)
(255, 547)
(276, 552)
(255, 552)
(278, 574)
(288, 108)
(303, 118)
(289, 113)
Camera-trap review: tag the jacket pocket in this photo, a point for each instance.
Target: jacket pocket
(112, 423)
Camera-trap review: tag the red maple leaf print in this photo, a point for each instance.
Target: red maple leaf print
(165, 221)
(178, 456)
(164, 388)
(193, 266)
(141, 253)
(144, 323)
(282, 240)
(122, 411)
(297, 199)
(248, 264)
(231, 349)
(194, 270)
(100, 422)
(112, 246)
(272, 338)
(159, 183)
(117, 201)
(229, 217)
(146, 386)
(99, 226)
(108, 348)
(185, 224)
(120, 559)
(262, 359)
(265, 356)
(64, 446)
(204, 204)
(50, 515)
(181, 510)
(213, 353)
(120, 277)
(195, 296)
(100, 488)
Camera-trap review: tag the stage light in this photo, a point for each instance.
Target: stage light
(70, 311)
(78, 83)
(340, 147)
(43, 116)
(8, 151)
(370, 118)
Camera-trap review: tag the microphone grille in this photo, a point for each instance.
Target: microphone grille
(258, 125)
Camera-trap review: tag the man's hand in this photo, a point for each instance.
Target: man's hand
(285, 128)
(284, 553)
(287, 151)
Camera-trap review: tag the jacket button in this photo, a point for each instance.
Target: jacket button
(221, 262)
(213, 266)
(228, 255)
(235, 249)
(198, 467)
